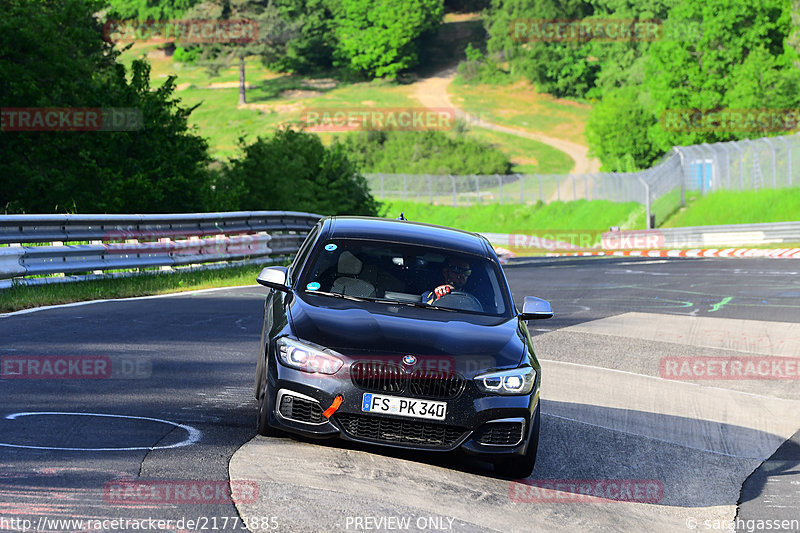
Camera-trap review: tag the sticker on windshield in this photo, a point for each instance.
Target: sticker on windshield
(330, 247)
(313, 286)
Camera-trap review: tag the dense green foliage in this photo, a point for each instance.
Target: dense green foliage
(158, 168)
(293, 168)
(369, 39)
(148, 9)
(380, 38)
(562, 68)
(424, 152)
(709, 56)
(162, 166)
(310, 48)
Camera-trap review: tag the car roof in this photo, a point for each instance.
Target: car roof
(405, 231)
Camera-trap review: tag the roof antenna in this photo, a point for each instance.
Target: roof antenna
(402, 216)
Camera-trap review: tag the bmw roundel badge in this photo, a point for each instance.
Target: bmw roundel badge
(409, 360)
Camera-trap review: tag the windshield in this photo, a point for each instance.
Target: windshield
(406, 274)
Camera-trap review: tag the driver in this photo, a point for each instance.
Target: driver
(456, 272)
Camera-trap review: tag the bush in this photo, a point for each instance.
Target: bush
(424, 152)
(294, 171)
(380, 39)
(186, 55)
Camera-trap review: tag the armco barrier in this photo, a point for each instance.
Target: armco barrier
(733, 237)
(118, 242)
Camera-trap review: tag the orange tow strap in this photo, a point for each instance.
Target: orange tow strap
(334, 406)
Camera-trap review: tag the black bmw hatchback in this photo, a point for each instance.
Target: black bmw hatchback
(401, 334)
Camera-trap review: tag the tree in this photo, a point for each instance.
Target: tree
(158, 168)
(739, 60)
(311, 46)
(617, 131)
(293, 168)
(148, 9)
(560, 68)
(380, 39)
(269, 43)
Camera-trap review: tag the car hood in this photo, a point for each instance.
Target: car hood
(369, 330)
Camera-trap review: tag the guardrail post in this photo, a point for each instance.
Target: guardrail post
(10, 265)
(647, 200)
(541, 188)
(500, 185)
(774, 163)
(788, 160)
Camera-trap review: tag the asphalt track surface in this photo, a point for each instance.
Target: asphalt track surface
(686, 455)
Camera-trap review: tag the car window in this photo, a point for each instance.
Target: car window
(302, 254)
(403, 273)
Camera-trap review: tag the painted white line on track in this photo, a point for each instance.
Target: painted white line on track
(193, 436)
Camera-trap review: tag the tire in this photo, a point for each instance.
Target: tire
(521, 467)
(264, 408)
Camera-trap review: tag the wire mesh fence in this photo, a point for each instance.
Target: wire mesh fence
(736, 165)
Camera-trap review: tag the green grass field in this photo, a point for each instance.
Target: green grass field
(515, 218)
(738, 207)
(519, 106)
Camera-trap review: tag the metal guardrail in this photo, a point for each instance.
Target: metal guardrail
(734, 235)
(118, 242)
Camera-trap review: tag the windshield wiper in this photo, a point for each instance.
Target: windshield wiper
(338, 295)
(408, 303)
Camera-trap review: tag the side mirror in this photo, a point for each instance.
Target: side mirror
(535, 308)
(274, 278)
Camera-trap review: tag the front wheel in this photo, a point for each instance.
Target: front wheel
(264, 408)
(521, 467)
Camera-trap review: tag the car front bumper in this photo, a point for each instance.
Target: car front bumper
(489, 426)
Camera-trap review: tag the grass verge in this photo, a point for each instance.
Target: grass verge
(517, 218)
(737, 207)
(22, 297)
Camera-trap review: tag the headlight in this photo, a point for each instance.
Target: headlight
(307, 358)
(515, 381)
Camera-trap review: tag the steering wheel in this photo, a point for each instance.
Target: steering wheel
(460, 300)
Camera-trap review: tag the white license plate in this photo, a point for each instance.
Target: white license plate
(394, 405)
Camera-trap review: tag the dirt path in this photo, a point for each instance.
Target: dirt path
(432, 92)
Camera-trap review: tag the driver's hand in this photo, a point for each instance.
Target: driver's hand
(441, 290)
